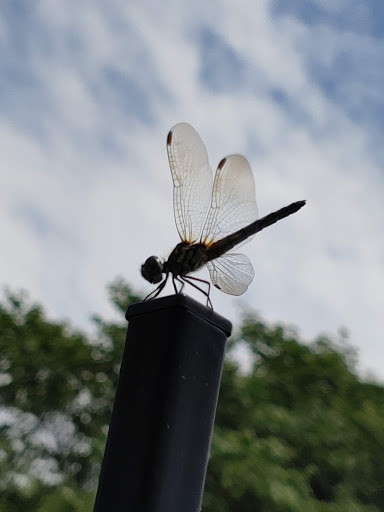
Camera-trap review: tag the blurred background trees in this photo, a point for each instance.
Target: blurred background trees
(296, 431)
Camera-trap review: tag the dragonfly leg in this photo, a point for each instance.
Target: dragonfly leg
(181, 282)
(188, 280)
(157, 290)
(174, 284)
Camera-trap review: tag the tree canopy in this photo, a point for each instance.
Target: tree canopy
(297, 431)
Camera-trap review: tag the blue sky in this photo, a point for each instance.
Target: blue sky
(88, 92)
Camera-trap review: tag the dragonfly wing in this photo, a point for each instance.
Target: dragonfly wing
(231, 273)
(192, 180)
(233, 204)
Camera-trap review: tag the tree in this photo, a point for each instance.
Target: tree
(300, 431)
(57, 395)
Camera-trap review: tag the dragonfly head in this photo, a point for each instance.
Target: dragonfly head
(152, 270)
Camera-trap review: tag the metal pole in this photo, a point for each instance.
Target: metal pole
(160, 432)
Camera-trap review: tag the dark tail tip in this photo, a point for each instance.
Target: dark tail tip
(299, 204)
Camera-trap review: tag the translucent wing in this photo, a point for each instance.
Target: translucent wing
(233, 204)
(231, 273)
(192, 180)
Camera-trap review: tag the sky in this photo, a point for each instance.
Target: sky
(88, 93)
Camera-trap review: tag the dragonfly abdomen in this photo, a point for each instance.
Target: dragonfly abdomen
(229, 242)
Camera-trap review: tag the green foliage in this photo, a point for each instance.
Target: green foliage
(57, 394)
(298, 432)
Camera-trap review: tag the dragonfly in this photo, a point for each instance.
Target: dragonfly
(213, 217)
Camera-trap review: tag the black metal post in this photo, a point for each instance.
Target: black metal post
(159, 437)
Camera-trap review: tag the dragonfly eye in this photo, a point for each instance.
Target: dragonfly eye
(152, 270)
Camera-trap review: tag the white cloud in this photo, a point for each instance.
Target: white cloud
(85, 188)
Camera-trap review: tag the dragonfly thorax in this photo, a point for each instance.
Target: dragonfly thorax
(186, 258)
